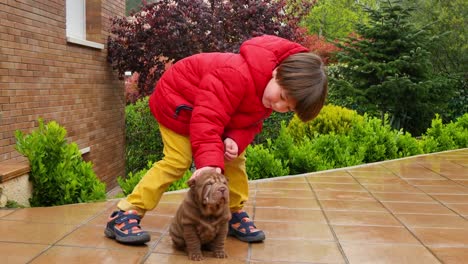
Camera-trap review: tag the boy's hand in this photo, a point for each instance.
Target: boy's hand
(199, 171)
(230, 149)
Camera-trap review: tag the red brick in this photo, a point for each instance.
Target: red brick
(41, 75)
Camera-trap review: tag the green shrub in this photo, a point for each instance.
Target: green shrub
(58, 173)
(440, 137)
(332, 119)
(379, 140)
(143, 139)
(304, 158)
(282, 145)
(262, 164)
(337, 151)
(407, 145)
(128, 184)
(271, 126)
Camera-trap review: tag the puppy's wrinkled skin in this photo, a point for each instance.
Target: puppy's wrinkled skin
(202, 218)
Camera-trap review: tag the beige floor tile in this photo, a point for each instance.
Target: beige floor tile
(4, 212)
(334, 173)
(93, 236)
(388, 254)
(292, 203)
(442, 182)
(283, 185)
(456, 198)
(164, 209)
(27, 232)
(361, 218)
(346, 196)
(419, 174)
(156, 223)
(459, 172)
(69, 214)
(459, 208)
(277, 193)
(374, 234)
(462, 182)
(296, 251)
(15, 253)
(293, 215)
(157, 258)
(443, 221)
(442, 237)
(373, 174)
(173, 197)
(360, 206)
(417, 208)
(391, 188)
(451, 255)
(404, 197)
(346, 187)
(295, 230)
(77, 255)
(380, 180)
(293, 179)
(331, 179)
(368, 167)
(444, 189)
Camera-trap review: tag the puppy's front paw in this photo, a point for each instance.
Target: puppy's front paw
(220, 254)
(197, 256)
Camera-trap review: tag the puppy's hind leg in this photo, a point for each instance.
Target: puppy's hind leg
(178, 243)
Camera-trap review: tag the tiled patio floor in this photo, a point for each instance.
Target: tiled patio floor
(412, 210)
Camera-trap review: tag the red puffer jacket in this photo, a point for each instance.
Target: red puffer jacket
(211, 96)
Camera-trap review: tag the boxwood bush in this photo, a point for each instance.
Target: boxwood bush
(59, 174)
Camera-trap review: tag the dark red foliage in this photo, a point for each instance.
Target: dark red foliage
(323, 48)
(170, 30)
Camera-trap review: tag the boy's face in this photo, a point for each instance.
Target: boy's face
(276, 97)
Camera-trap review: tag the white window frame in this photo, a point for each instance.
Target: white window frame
(75, 12)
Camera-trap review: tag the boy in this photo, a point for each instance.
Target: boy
(211, 106)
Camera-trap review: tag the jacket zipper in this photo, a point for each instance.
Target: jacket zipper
(182, 107)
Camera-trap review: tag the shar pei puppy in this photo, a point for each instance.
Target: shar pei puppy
(202, 218)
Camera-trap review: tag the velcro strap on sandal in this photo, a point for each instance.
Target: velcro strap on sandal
(237, 217)
(125, 218)
(129, 226)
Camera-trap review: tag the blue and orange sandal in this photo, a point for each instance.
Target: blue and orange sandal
(125, 228)
(240, 226)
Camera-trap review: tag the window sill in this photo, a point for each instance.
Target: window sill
(85, 43)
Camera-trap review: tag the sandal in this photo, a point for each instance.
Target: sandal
(125, 228)
(243, 232)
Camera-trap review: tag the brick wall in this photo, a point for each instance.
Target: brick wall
(42, 75)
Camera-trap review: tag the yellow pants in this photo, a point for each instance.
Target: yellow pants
(178, 159)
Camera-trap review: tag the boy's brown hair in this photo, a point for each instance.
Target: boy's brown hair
(303, 77)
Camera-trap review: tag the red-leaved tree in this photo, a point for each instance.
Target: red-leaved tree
(169, 30)
(326, 50)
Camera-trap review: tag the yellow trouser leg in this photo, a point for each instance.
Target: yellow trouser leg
(238, 182)
(177, 159)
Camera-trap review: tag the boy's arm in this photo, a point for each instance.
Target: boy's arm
(219, 96)
(243, 137)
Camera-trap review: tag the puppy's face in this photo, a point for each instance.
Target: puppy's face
(211, 192)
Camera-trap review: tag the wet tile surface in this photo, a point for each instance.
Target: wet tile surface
(412, 210)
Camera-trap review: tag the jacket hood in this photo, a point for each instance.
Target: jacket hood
(263, 54)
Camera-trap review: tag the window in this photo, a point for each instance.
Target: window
(80, 15)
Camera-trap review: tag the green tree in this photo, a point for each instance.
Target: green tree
(387, 69)
(334, 19)
(447, 20)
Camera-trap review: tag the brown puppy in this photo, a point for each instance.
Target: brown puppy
(202, 218)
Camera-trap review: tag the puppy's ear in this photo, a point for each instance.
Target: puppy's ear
(191, 183)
